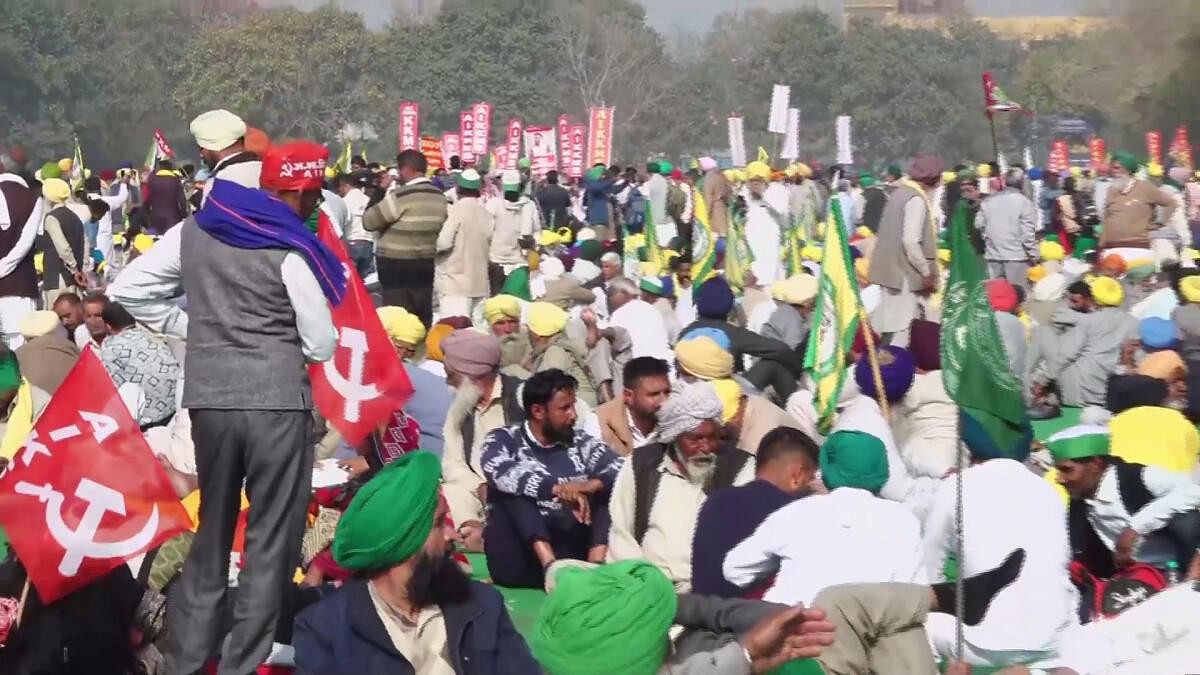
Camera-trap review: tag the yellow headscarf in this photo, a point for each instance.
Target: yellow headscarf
(702, 357)
(500, 307)
(730, 393)
(1036, 273)
(401, 326)
(546, 319)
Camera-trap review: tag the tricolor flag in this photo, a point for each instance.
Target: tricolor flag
(835, 320)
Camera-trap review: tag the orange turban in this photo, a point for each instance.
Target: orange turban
(1112, 264)
(433, 341)
(257, 141)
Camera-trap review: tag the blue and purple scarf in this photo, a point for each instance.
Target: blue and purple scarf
(247, 218)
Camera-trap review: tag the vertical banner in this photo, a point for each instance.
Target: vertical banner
(1097, 153)
(1181, 147)
(451, 147)
(512, 148)
(432, 149)
(780, 100)
(791, 138)
(164, 148)
(410, 126)
(1154, 147)
(845, 149)
(1060, 157)
(540, 147)
(600, 131)
(578, 143)
(482, 112)
(564, 140)
(737, 141)
(501, 155)
(466, 131)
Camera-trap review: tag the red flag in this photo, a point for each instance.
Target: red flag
(1060, 157)
(1154, 146)
(466, 134)
(431, 147)
(365, 381)
(85, 493)
(994, 98)
(1181, 147)
(1097, 153)
(600, 131)
(164, 148)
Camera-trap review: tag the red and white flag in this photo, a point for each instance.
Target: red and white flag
(451, 147)
(577, 142)
(85, 494)
(512, 153)
(466, 131)
(164, 148)
(364, 382)
(1154, 146)
(410, 126)
(600, 131)
(482, 112)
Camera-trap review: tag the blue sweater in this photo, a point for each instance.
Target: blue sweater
(726, 519)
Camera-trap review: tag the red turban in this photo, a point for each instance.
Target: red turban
(1002, 295)
(108, 175)
(298, 166)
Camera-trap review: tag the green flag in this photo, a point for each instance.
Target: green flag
(975, 366)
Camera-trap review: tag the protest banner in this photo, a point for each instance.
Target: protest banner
(410, 126)
(482, 113)
(466, 132)
(540, 147)
(600, 131)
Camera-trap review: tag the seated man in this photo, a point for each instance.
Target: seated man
(660, 489)
(142, 366)
(503, 316)
(484, 399)
(553, 349)
(411, 609)
(629, 422)
(547, 485)
(1122, 512)
(786, 464)
(863, 538)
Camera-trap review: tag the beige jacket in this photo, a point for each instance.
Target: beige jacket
(925, 422)
(760, 418)
(717, 197)
(1129, 214)
(462, 475)
(462, 248)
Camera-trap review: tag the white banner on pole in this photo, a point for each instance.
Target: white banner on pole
(791, 139)
(845, 150)
(737, 141)
(780, 97)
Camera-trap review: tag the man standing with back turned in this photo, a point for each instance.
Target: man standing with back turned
(259, 288)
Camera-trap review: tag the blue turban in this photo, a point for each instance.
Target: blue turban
(897, 368)
(714, 299)
(989, 437)
(1158, 334)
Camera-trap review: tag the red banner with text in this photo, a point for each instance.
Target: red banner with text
(482, 112)
(466, 132)
(451, 147)
(432, 149)
(1154, 147)
(1060, 156)
(1181, 147)
(1097, 153)
(578, 147)
(410, 126)
(600, 130)
(512, 149)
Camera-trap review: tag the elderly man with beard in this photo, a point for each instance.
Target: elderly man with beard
(410, 608)
(484, 399)
(548, 487)
(503, 316)
(659, 491)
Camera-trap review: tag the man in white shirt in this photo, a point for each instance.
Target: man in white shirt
(1005, 508)
(1123, 512)
(116, 210)
(360, 245)
(862, 538)
(644, 324)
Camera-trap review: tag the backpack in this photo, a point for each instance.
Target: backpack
(646, 478)
(509, 403)
(1106, 598)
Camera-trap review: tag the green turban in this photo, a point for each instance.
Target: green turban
(51, 170)
(854, 459)
(591, 250)
(1127, 160)
(391, 516)
(1079, 442)
(607, 620)
(595, 173)
(516, 284)
(866, 180)
(894, 170)
(665, 167)
(524, 163)
(10, 374)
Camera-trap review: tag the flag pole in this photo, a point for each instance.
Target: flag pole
(995, 144)
(21, 602)
(873, 356)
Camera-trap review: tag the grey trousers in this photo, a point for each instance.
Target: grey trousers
(270, 451)
(1017, 272)
(880, 629)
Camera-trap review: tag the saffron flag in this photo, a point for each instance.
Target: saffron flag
(975, 367)
(85, 493)
(704, 242)
(835, 320)
(365, 381)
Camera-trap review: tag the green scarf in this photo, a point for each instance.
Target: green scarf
(391, 516)
(608, 620)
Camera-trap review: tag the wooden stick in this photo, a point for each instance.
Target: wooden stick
(21, 603)
(873, 355)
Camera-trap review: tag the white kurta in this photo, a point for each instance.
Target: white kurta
(763, 219)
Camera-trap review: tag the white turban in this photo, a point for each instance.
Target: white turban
(1051, 288)
(216, 130)
(707, 163)
(687, 409)
(551, 268)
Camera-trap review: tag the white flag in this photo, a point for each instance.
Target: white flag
(791, 139)
(737, 141)
(780, 97)
(845, 151)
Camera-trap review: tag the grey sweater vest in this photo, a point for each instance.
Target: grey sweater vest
(890, 266)
(243, 348)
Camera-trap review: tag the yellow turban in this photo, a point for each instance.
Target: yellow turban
(1036, 273)
(804, 170)
(949, 176)
(730, 175)
(401, 326)
(330, 173)
(983, 170)
(1191, 254)
(65, 164)
(1076, 171)
(730, 393)
(501, 306)
(142, 242)
(864, 232)
(1051, 250)
(758, 171)
(1107, 291)
(811, 252)
(1153, 168)
(1164, 365)
(741, 175)
(56, 190)
(546, 319)
(1189, 286)
(39, 262)
(944, 255)
(433, 341)
(862, 269)
(797, 289)
(549, 238)
(702, 357)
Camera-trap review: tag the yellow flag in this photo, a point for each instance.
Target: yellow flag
(763, 156)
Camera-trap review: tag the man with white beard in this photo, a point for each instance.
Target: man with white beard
(677, 474)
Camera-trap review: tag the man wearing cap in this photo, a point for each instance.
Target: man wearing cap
(597, 190)
(410, 608)
(484, 399)
(517, 225)
(903, 264)
(166, 205)
(766, 216)
(221, 137)
(259, 287)
(1121, 512)
(655, 189)
(852, 523)
(408, 222)
(548, 485)
(21, 211)
(463, 243)
(64, 244)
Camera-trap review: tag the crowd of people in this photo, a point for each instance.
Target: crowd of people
(611, 404)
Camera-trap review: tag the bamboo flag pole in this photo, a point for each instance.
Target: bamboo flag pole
(873, 356)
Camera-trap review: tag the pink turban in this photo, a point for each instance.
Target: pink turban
(471, 353)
